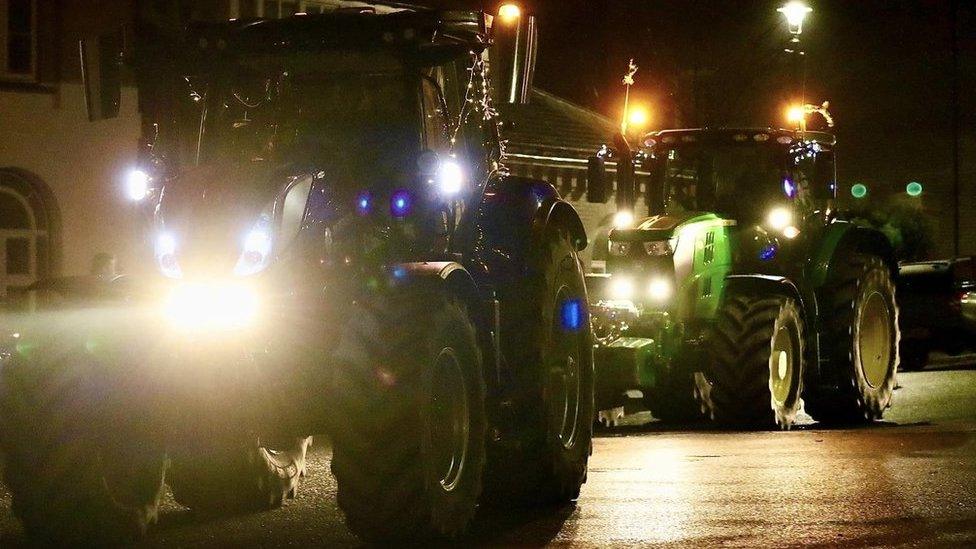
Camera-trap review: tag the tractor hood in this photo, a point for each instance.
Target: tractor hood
(667, 226)
(206, 214)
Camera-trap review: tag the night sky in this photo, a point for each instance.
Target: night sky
(884, 65)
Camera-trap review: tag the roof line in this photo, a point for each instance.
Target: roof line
(577, 109)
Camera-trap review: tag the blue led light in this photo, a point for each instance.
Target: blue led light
(400, 203)
(768, 252)
(364, 203)
(571, 314)
(399, 272)
(789, 188)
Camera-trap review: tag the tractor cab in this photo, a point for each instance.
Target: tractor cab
(736, 173)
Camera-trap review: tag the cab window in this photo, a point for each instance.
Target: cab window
(436, 117)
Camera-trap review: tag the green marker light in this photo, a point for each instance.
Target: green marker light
(859, 190)
(914, 188)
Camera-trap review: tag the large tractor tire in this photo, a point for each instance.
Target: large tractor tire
(753, 377)
(860, 339)
(81, 473)
(235, 476)
(550, 353)
(409, 443)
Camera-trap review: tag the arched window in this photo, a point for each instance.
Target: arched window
(25, 230)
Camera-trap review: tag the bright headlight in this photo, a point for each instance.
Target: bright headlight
(779, 218)
(211, 306)
(622, 288)
(256, 248)
(623, 219)
(136, 185)
(164, 248)
(450, 177)
(660, 289)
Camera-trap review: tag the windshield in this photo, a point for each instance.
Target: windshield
(722, 178)
(360, 126)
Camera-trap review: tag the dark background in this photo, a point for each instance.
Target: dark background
(884, 65)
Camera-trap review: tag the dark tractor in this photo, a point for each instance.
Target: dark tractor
(338, 249)
(743, 292)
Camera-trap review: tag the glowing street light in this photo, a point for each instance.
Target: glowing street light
(509, 13)
(638, 117)
(795, 12)
(796, 114)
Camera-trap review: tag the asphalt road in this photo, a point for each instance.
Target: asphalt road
(910, 480)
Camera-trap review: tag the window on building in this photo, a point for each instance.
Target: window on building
(18, 26)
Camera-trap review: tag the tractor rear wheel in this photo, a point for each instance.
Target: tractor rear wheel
(409, 443)
(860, 340)
(79, 471)
(551, 353)
(753, 375)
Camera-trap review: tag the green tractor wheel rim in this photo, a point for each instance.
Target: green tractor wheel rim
(782, 363)
(449, 419)
(874, 343)
(564, 378)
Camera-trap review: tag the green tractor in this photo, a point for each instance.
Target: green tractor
(743, 295)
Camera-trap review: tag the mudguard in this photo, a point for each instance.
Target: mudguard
(453, 278)
(842, 237)
(768, 284)
(514, 213)
(447, 274)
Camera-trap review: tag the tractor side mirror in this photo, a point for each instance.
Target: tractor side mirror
(101, 73)
(515, 39)
(596, 180)
(626, 185)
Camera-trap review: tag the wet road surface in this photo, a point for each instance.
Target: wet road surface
(908, 481)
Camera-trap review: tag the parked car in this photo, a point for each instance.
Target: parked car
(938, 309)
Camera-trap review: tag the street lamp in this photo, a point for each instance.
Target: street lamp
(795, 12)
(509, 13)
(797, 116)
(637, 117)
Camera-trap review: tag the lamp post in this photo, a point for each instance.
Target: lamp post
(795, 13)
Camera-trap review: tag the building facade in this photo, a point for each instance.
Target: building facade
(61, 199)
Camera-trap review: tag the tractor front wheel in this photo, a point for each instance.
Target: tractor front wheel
(81, 471)
(232, 476)
(409, 439)
(753, 375)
